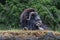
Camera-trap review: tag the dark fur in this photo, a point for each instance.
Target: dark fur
(25, 15)
(31, 24)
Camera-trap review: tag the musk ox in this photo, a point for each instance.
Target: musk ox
(30, 20)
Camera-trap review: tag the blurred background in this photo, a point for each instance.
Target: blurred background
(10, 10)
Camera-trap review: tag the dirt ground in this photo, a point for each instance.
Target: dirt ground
(23, 34)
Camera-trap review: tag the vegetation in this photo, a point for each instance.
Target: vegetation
(10, 11)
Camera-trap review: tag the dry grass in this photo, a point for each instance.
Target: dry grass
(27, 31)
